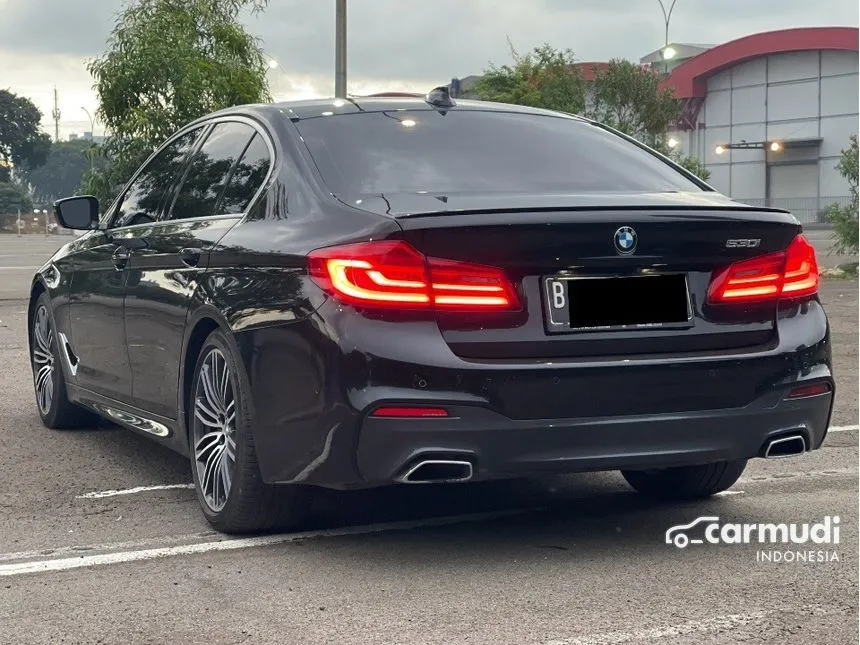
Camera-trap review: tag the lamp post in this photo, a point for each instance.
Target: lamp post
(668, 52)
(92, 121)
(45, 213)
(340, 49)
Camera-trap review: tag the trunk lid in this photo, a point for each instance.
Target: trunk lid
(692, 235)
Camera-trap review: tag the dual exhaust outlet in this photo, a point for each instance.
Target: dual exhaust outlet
(785, 446)
(438, 471)
(450, 471)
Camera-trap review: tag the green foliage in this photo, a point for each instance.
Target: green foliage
(21, 143)
(844, 219)
(62, 173)
(168, 63)
(622, 95)
(543, 78)
(14, 198)
(628, 98)
(692, 164)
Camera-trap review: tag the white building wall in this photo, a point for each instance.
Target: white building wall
(796, 97)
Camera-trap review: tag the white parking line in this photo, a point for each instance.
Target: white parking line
(726, 493)
(843, 428)
(118, 557)
(131, 491)
(712, 625)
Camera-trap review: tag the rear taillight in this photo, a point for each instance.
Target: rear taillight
(776, 276)
(394, 274)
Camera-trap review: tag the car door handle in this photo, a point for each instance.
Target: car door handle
(190, 257)
(120, 257)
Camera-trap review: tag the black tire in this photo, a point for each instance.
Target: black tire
(249, 505)
(57, 413)
(686, 482)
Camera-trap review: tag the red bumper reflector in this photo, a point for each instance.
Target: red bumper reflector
(809, 390)
(412, 413)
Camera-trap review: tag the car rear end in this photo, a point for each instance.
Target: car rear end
(639, 322)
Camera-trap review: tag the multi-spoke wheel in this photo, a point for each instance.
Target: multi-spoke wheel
(43, 359)
(49, 383)
(227, 478)
(213, 429)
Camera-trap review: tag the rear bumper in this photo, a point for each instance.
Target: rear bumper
(315, 382)
(499, 447)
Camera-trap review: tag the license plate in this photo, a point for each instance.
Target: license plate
(638, 302)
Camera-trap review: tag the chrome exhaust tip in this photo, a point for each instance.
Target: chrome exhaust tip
(437, 471)
(787, 446)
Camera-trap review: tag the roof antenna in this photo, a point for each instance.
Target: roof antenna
(440, 97)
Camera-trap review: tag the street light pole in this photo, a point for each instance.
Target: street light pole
(340, 49)
(92, 122)
(668, 52)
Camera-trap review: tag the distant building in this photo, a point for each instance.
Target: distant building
(87, 136)
(769, 114)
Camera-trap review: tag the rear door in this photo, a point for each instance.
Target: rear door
(213, 193)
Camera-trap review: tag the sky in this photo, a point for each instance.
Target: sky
(396, 45)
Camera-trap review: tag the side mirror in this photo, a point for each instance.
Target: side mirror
(77, 213)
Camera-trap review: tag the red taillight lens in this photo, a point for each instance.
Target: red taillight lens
(801, 269)
(394, 274)
(410, 412)
(782, 275)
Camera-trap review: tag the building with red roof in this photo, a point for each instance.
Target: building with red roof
(769, 114)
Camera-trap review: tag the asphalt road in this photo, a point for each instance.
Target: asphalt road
(577, 560)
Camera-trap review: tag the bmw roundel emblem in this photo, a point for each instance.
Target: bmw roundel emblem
(625, 240)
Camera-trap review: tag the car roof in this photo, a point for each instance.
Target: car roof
(298, 110)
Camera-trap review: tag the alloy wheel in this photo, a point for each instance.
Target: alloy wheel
(214, 430)
(43, 359)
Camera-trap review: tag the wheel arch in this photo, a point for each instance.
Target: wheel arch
(199, 326)
(36, 290)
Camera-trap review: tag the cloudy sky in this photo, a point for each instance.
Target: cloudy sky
(393, 44)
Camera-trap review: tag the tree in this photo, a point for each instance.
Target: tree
(62, 173)
(622, 95)
(844, 219)
(14, 198)
(21, 143)
(168, 63)
(628, 98)
(544, 78)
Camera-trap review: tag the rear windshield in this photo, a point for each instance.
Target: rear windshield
(479, 152)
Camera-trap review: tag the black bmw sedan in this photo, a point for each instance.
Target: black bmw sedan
(356, 293)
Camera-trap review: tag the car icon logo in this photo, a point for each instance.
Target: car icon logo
(677, 535)
(625, 240)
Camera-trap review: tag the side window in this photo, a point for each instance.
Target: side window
(147, 194)
(210, 170)
(249, 175)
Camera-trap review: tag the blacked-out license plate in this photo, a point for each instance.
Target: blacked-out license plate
(584, 303)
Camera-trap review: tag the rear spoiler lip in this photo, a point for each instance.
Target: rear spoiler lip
(740, 208)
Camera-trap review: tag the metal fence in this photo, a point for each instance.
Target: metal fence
(809, 210)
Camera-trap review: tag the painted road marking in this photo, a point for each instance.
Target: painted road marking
(118, 557)
(132, 491)
(700, 627)
(843, 428)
